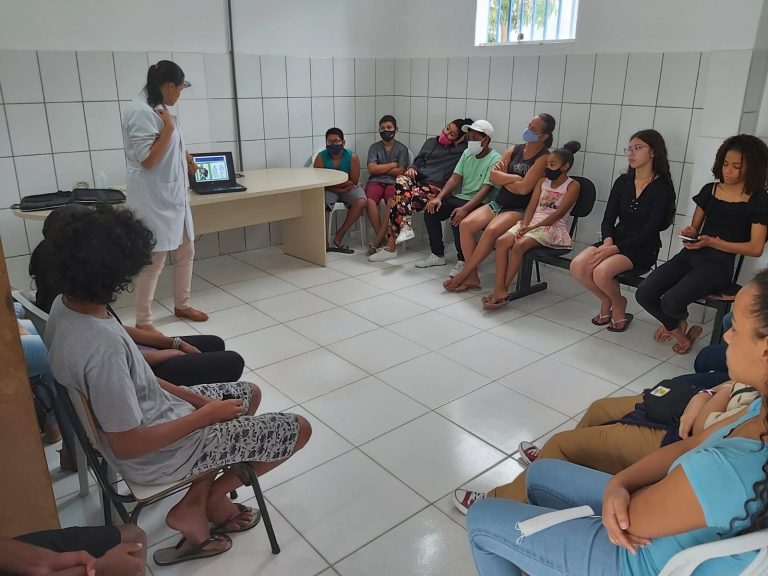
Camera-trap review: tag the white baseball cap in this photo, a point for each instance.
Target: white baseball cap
(480, 126)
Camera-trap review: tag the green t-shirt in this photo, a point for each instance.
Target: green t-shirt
(475, 172)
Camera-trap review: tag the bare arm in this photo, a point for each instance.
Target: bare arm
(717, 403)
(197, 400)
(453, 182)
(146, 338)
(526, 185)
(144, 440)
(28, 560)
(379, 169)
(530, 210)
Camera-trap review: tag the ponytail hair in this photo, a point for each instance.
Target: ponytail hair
(159, 74)
(549, 128)
(565, 154)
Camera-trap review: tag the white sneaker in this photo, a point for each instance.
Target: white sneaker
(406, 233)
(457, 268)
(382, 255)
(463, 499)
(528, 453)
(431, 260)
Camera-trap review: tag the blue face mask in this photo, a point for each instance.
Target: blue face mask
(530, 136)
(334, 149)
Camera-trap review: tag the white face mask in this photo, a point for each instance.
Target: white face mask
(475, 147)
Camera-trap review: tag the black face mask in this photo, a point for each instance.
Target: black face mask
(553, 174)
(387, 135)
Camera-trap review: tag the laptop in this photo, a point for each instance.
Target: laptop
(215, 174)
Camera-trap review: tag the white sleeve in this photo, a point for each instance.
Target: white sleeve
(141, 131)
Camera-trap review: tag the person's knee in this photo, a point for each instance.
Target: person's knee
(505, 242)
(255, 399)
(645, 296)
(305, 432)
(602, 275)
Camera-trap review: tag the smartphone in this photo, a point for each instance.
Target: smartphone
(687, 238)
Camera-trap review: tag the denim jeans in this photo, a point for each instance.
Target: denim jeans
(574, 547)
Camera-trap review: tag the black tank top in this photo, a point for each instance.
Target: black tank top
(519, 166)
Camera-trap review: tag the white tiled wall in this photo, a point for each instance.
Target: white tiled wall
(60, 122)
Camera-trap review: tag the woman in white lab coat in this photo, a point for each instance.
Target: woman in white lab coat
(157, 188)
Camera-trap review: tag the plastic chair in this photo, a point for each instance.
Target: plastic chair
(685, 562)
(39, 319)
(78, 409)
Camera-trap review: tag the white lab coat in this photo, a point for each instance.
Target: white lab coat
(157, 195)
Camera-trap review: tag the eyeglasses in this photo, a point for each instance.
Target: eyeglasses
(635, 148)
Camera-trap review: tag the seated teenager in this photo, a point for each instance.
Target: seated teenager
(337, 157)
(387, 159)
(544, 224)
(517, 173)
(731, 218)
(185, 361)
(422, 182)
(150, 431)
(643, 202)
(706, 488)
(77, 551)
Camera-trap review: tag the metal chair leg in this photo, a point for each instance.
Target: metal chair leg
(254, 482)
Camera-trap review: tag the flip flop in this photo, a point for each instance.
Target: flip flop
(220, 529)
(661, 335)
(491, 304)
(693, 334)
(627, 320)
(599, 320)
(342, 248)
(176, 554)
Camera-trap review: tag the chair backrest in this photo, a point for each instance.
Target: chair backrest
(38, 317)
(80, 414)
(685, 562)
(585, 202)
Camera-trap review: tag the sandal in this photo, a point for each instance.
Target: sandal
(627, 320)
(661, 335)
(601, 320)
(221, 528)
(342, 248)
(693, 334)
(492, 304)
(177, 554)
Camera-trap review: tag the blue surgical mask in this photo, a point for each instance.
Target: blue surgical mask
(334, 149)
(530, 136)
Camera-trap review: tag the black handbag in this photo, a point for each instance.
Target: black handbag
(666, 402)
(61, 198)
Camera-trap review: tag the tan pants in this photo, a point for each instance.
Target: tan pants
(610, 448)
(146, 282)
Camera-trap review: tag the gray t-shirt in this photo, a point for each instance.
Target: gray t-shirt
(97, 357)
(378, 154)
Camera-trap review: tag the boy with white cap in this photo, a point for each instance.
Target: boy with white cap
(469, 187)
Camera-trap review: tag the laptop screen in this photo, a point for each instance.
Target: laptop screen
(211, 169)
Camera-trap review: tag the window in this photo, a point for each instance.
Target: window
(518, 21)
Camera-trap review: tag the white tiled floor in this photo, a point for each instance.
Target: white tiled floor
(411, 392)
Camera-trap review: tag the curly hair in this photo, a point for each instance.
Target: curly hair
(98, 253)
(756, 508)
(754, 153)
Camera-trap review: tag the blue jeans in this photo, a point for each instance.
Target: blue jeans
(575, 547)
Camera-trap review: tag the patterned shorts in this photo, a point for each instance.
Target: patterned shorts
(263, 438)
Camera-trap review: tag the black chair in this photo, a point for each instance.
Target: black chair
(722, 303)
(554, 256)
(78, 410)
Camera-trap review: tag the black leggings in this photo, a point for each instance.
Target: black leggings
(212, 365)
(689, 276)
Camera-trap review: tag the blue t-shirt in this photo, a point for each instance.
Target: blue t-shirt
(721, 472)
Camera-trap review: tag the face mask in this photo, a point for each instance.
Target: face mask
(444, 140)
(553, 174)
(334, 149)
(387, 135)
(475, 147)
(530, 136)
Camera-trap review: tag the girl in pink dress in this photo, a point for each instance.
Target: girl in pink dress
(544, 223)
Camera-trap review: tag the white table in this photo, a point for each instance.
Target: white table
(294, 196)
